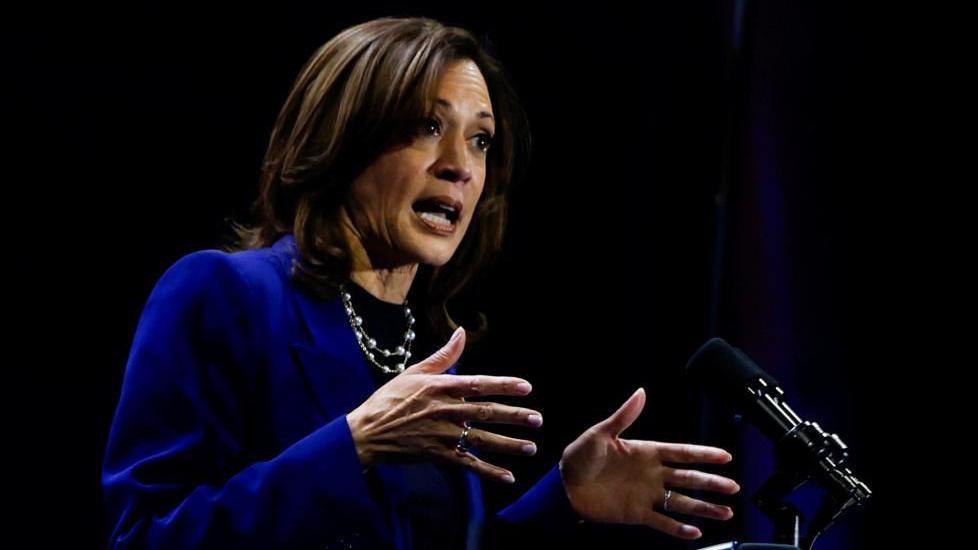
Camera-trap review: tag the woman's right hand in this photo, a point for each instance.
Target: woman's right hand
(420, 414)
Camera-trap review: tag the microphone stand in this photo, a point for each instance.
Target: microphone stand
(805, 453)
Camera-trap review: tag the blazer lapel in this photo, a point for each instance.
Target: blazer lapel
(323, 345)
(334, 367)
(331, 362)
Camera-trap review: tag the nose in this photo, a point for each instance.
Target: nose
(454, 160)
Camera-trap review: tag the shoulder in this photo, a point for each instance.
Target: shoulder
(213, 290)
(199, 271)
(215, 273)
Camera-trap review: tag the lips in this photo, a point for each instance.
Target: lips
(440, 205)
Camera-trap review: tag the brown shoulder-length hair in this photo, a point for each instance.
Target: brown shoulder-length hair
(360, 93)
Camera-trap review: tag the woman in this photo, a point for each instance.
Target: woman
(271, 398)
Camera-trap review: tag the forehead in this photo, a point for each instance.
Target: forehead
(464, 87)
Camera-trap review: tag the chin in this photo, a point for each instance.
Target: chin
(435, 254)
(437, 260)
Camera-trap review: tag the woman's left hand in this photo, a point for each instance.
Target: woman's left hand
(614, 480)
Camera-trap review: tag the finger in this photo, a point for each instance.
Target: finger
(488, 441)
(444, 358)
(687, 453)
(669, 526)
(625, 415)
(491, 412)
(476, 464)
(700, 481)
(683, 504)
(462, 386)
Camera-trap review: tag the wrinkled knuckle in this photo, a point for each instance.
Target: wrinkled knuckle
(431, 388)
(438, 410)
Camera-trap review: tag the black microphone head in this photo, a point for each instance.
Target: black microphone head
(724, 371)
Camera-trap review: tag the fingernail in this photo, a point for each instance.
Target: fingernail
(535, 420)
(529, 449)
(458, 331)
(690, 531)
(524, 387)
(729, 512)
(508, 478)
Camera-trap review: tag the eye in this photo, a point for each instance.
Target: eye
(430, 126)
(484, 142)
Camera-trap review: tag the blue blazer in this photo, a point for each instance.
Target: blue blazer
(231, 427)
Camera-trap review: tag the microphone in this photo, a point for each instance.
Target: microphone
(728, 375)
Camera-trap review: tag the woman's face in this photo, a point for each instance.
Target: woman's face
(415, 201)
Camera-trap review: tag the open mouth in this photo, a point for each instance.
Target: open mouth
(440, 213)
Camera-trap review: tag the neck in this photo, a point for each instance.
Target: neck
(388, 285)
(386, 281)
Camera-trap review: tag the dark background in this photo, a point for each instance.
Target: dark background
(798, 199)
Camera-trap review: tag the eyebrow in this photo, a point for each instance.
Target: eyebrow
(481, 114)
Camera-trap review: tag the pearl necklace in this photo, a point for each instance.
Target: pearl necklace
(369, 345)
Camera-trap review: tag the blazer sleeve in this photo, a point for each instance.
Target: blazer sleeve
(177, 473)
(545, 503)
(543, 515)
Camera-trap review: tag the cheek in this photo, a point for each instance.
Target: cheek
(472, 205)
(476, 193)
(399, 181)
(385, 196)
(367, 204)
